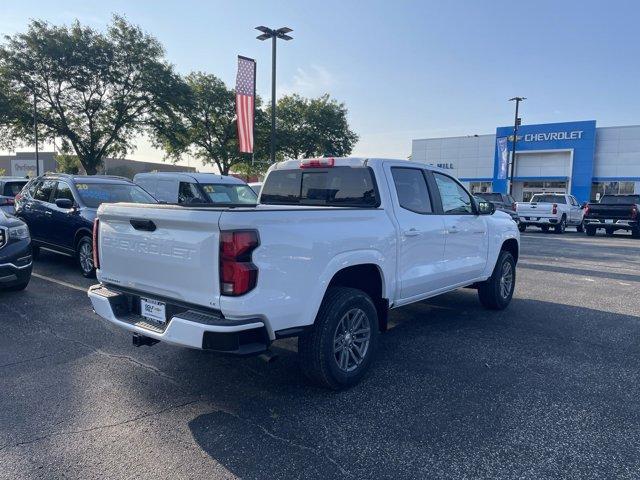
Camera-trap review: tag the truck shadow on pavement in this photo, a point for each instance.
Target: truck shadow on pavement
(456, 391)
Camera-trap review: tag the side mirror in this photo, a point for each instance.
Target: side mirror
(64, 203)
(486, 208)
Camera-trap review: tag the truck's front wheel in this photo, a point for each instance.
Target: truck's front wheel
(340, 346)
(496, 292)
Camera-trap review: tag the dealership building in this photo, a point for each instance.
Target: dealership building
(572, 157)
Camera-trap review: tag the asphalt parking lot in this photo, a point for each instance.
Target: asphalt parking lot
(547, 388)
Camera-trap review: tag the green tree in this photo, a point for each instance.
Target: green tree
(313, 127)
(204, 125)
(68, 163)
(95, 90)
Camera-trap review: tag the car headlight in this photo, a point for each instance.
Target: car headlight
(18, 233)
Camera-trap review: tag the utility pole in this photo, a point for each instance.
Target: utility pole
(516, 124)
(273, 34)
(35, 131)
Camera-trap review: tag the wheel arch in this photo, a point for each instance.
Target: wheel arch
(82, 232)
(511, 245)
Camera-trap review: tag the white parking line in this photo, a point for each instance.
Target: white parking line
(59, 282)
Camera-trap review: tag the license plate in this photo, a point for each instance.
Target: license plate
(608, 221)
(153, 310)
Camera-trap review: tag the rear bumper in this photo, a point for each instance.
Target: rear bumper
(613, 224)
(186, 328)
(532, 220)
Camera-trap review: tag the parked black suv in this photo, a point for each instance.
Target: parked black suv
(15, 253)
(60, 209)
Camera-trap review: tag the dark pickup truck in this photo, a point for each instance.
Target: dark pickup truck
(613, 212)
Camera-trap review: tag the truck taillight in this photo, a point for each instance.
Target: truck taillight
(634, 212)
(586, 210)
(555, 208)
(96, 257)
(238, 275)
(317, 162)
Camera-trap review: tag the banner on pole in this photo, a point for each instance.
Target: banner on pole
(245, 102)
(503, 158)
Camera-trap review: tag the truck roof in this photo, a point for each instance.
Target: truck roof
(354, 162)
(190, 176)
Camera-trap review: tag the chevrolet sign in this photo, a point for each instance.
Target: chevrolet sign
(545, 137)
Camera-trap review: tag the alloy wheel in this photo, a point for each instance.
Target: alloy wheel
(351, 340)
(506, 280)
(86, 257)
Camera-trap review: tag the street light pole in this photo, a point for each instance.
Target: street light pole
(273, 34)
(516, 123)
(35, 132)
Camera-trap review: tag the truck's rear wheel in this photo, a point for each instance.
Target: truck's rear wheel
(544, 228)
(84, 255)
(591, 231)
(522, 227)
(338, 350)
(580, 227)
(609, 231)
(496, 292)
(562, 226)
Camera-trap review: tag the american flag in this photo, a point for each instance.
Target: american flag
(245, 97)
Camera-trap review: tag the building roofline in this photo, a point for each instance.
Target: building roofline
(456, 136)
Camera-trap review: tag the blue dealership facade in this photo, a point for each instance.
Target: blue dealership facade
(569, 157)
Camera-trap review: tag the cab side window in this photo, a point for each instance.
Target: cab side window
(43, 193)
(455, 199)
(412, 190)
(189, 193)
(63, 190)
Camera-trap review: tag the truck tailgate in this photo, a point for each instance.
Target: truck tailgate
(534, 209)
(161, 250)
(615, 212)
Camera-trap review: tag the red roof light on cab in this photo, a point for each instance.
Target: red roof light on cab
(317, 162)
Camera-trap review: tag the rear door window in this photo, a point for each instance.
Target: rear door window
(63, 190)
(337, 186)
(411, 189)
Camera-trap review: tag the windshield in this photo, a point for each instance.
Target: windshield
(548, 199)
(337, 186)
(620, 199)
(94, 194)
(230, 194)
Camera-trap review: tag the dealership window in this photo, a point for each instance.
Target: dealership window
(598, 189)
(480, 187)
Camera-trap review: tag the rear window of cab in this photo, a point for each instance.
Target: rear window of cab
(334, 187)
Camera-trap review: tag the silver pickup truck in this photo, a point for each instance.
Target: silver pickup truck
(551, 210)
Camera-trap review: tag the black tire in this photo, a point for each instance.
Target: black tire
(522, 227)
(316, 347)
(19, 287)
(545, 229)
(591, 231)
(490, 292)
(35, 252)
(635, 232)
(86, 266)
(609, 232)
(580, 227)
(562, 226)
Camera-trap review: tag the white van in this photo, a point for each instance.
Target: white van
(192, 188)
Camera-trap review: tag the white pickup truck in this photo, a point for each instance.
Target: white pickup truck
(332, 246)
(551, 210)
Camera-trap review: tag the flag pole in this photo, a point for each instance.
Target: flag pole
(253, 127)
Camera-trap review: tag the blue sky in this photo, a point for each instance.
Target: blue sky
(404, 69)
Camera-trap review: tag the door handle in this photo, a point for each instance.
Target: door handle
(412, 232)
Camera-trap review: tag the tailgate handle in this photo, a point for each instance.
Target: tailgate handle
(146, 225)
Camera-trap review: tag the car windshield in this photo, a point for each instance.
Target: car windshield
(620, 199)
(491, 197)
(95, 194)
(549, 199)
(230, 194)
(11, 189)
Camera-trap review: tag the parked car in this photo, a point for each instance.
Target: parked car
(194, 188)
(15, 253)
(613, 212)
(9, 188)
(551, 210)
(503, 202)
(256, 187)
(333, 245)
(59, 210)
